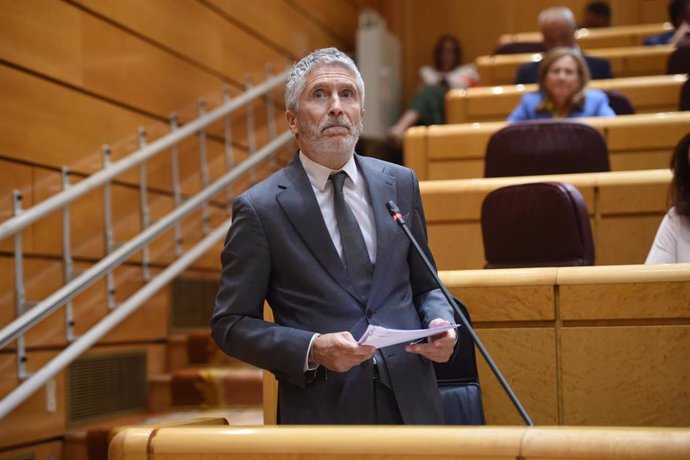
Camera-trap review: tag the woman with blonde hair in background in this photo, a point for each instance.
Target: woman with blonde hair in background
(563, 92)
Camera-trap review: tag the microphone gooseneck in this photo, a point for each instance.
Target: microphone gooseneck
(397, 217)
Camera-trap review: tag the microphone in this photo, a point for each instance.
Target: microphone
(398, 218)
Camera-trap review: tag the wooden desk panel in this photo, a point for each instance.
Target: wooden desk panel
(634, 61)
(643, 141)
(650, 94)
(604, 37)
(626, 209)
(527, 359)
(626, 375)
(620, 336)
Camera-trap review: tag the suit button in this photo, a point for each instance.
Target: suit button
(370, 314)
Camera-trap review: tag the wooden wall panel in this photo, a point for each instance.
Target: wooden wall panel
(41, 416)
(43, 277)
(198, 33)
(70, 134)
(285, 27)
(106, 60)
(14, 176)
(340, 17)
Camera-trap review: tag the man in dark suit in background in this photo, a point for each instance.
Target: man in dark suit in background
(316, 241)
(557, 26)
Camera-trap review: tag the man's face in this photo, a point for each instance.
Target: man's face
(557, 33)
(328, 122)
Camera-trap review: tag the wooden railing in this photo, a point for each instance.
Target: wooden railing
(407, 442)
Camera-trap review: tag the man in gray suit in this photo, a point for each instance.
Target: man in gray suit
(326, 277)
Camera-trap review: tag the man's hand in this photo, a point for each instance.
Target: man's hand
(440, 347)
(339, 351)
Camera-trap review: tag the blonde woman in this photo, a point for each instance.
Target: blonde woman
(563, 92)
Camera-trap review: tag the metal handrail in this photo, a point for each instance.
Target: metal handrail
(83, 343)
(98, 179)
(90, 276)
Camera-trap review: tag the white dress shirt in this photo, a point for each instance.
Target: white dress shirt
(356, 195)
(672, 242)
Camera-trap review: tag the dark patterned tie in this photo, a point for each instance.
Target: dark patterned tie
(355, 253)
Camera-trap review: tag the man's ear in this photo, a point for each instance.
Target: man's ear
(291, 121)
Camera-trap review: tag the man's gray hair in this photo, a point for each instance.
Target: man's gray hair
(557, 14)
(300, 71)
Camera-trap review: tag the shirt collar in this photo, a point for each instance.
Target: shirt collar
(318, 174)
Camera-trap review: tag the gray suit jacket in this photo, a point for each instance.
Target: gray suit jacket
(278, 248)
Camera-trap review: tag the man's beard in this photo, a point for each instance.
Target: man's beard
(325, 146)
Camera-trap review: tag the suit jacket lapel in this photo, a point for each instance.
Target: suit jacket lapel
(297, 199)
(382, 189)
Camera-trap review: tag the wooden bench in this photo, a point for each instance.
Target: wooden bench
(635, 142)
(651, 94)
(604, 37)
(625, 208)
(404, 442)
(633, 61)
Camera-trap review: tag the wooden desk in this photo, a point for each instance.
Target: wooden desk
(633, 61)
(590, 346)
(651, 94)
(626, 209)
(398, 443)
(604, 37)
(635, 142)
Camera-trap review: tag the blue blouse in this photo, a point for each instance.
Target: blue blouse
(596, 105)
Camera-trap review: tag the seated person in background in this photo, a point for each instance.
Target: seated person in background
(563, 93)
(672, 242)
(597, 14)
(679, 16)
(557, 26)
(428, 105)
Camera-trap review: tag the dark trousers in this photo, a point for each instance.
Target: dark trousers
(386, 410)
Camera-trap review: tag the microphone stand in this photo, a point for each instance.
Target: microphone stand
(397, 216)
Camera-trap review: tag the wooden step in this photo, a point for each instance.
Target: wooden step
(216, 386)
(90, 441)
(201, 349)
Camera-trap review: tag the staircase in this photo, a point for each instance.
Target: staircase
(109, 346)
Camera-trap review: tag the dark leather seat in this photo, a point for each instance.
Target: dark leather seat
(679, 60)
(620, 103)
(545, 147)
(685, 96)
(519, 47)
(543, 224)
(458, 380)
